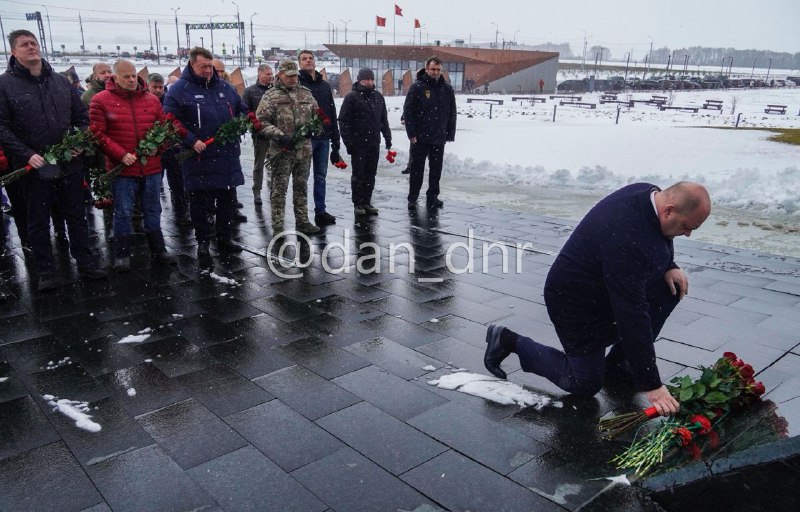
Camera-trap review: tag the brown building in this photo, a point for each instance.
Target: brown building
(468, 69)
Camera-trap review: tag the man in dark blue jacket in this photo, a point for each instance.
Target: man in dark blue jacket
(613, 284)
(325, 143)
(430, 115)
(37, 107)
(362, 120)
(203, 102)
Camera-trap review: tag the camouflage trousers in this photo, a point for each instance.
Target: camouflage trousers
(297, 167)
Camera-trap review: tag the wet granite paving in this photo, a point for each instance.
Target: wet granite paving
(306, 389)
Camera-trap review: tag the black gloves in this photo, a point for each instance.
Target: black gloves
(286, 141)
(335, 156)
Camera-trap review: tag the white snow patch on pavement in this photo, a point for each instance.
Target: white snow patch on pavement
(74, 410)
(223, 280)
(491, 388)
(134, 338)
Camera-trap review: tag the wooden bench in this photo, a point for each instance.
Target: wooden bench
(684, 109)
(656, 97)
(713, 105)
(653, 103)
(775, 109)
(578, 104)
(571, 98)
(492, 101)
(608, 96)
(532, 99)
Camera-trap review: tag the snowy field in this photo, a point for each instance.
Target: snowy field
(521, 159)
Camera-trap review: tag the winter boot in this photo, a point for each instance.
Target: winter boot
(122, 253)
(158, 250)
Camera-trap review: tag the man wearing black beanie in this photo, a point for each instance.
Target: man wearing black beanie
(362, 119)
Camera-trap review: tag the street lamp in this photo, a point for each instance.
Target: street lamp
(211, 24)
(345, 29)
(650, 62)
(583, 60)
(252, 36)
(239, 28)
(496, 33)
(50, 30)
(515, 36)
(177, 34)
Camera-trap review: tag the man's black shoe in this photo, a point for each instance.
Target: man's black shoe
(412, 205)
(202, 249)
(239, 217)
(228, 246)
(405, 171)
(92, 272)
(324, 219)
(239, 205)
(432, 205)
(47, 282)
(495, 351)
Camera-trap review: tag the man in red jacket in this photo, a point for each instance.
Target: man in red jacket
(121, 116)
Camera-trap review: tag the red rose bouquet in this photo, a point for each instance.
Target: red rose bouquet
(314, 126)
(229, 131)
(161, 136)
(75, 141)
(391, 155)
(705, 402)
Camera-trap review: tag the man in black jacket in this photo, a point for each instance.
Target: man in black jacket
(328, 141)
(361, 121)
(430, 115)
(251, 98)
(613, 284)
(37, 107)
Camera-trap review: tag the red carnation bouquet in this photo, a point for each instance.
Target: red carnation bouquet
(229, 131)
(161, 136)
(74, 141)
(391, 155)
(706, 401)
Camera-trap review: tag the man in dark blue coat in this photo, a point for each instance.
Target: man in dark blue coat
(203, 102)
(430, 116)
(37, 107)
(325, 143)
(613, 284)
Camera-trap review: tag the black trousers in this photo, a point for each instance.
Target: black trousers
(174, 173)
(202, 204)
(365, 167)
(65, 193)
(434, 153)
(16, 196)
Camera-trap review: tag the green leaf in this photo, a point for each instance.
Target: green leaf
(699, 389)
(714, 382)
(685, 394)
(686, 381)
(715, 397)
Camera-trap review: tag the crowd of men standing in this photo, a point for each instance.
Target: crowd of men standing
(38, 106)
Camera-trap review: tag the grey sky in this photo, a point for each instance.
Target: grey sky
(621, 25)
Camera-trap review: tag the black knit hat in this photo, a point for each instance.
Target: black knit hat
(365, 74)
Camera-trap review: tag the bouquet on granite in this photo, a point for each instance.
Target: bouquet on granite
(728, 384)
(74, 142)
(314, 126)
(230, 131)
(160, 137)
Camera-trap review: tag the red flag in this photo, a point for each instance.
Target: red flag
(381, 22)
(397, 10)
(416, 23)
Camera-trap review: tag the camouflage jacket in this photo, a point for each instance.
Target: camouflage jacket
(282, 111)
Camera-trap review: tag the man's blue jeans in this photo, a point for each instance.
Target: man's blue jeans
(125, 191)
(320, 149)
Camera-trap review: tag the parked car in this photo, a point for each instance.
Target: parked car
(573, 86)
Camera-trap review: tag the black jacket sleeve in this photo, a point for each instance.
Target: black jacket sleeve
(334, 126)
(346, 122)
(451, 122)
(387, 133)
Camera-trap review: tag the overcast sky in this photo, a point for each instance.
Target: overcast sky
(621, 25)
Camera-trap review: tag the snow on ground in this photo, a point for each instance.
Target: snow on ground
(134, 338)
(74, 410)
(491, 388)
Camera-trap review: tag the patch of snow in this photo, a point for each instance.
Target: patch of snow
(429, 368)
(133, 338)
(146, 330)
(177, 315)
(497, 390)
(3, 379)
(434, 320)
(131, 391)
(74, 410)
(222, 279)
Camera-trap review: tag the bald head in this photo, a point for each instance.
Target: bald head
(125, 75)
(682, 208)
(102, 71)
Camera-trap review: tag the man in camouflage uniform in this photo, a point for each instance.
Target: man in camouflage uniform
(282, 110)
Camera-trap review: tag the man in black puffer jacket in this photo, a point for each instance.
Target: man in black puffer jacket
(361, 121)
(37, 107)
(430, 115)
